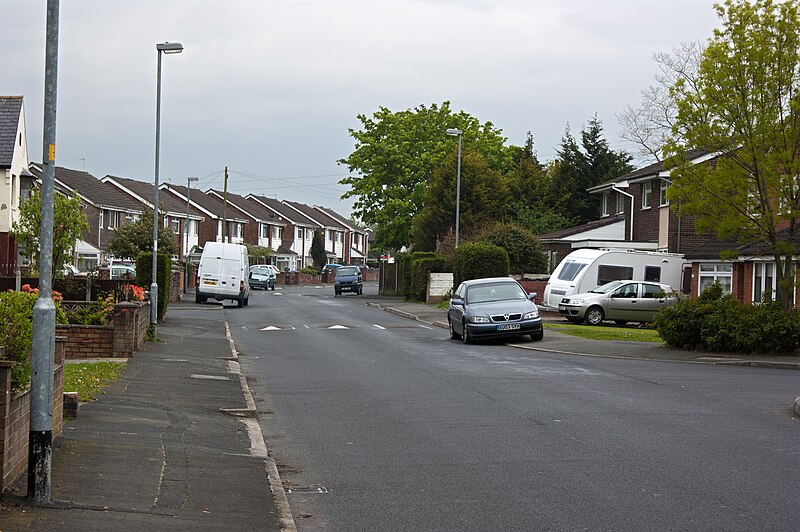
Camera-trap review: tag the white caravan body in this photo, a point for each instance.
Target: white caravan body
(586, 269)
(223, 273)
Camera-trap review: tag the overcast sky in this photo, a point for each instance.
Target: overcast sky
(270, 88)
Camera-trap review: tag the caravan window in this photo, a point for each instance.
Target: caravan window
(652, 274)
(571, 270)
(607, 273)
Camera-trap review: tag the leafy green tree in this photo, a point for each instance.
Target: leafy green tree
(317, 251)
(396, 154)
(583, 166)
(483, 199)
(745, 106)
(137, 237)
(69, 222)
(259, 254)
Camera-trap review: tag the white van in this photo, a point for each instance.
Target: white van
(586, 269)
(223, 273)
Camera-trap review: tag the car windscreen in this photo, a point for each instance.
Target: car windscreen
(608, 287)
(495, 292)
(261, 271)
(341, 272)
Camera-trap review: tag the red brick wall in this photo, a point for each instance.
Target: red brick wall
(87, 341)
(15, 420)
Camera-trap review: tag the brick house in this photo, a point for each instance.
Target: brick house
(333, 232)
(294, 251)
(14, 168)
(212, 209)
(356, 238)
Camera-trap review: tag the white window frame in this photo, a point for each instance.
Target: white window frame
(276, 232)
(604, 204)
(176, 225)
(662, 193)
(764, 280)
(647, 195)
(112, 221)
(715, 271)
(620, 203)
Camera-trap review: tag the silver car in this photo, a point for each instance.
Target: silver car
(620, 301)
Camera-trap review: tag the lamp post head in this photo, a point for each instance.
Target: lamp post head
(169, 47)
(454, 132)
(191, 179)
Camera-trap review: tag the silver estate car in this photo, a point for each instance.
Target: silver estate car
(620, 301)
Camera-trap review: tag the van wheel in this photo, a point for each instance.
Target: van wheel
(246, 301)
(197, 299)
(240, 303)
(595, 316)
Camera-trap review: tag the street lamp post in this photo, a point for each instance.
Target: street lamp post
(167, 48)
(189, 181)
(457, 133)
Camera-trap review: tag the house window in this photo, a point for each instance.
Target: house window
(112, 219)
(176, 226)
(235, 229)
(276, 233)
(300, 233)
(763, 281)
(620, 203)
(647, 192)
(662, 193)
(605, 210)
(721, 273)
(264, 230)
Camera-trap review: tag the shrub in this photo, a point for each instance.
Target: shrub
(475, 260)
(311, 270)
(101, 312)
(144, 276)
(16, 331)
(420, 273)
(524, 249)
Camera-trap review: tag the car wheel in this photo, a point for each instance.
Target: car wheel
(453, 334)
(465, 337)
(537, 335)
(621, 322)
(595, 316)
(273, 288)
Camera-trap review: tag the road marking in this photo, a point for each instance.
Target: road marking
(378, 327)
(339, 327)
(210, 377)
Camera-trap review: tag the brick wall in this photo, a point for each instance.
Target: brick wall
(15, 419)
(87, 341)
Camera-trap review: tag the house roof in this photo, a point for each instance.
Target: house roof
(87, 186)
(143, 192)
(10, 109)
(342, 220)
(252, 208)
(712, 248)
(291, 215)
(650, 171)
(578, 229)
(321, 218)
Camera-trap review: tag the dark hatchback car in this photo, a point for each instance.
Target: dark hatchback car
(495, 307)
(348, 279)
(262, 277)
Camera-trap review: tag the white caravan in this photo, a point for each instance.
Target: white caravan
(586, 269)
(223, 273)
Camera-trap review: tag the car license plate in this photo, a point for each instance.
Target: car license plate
(508, 327)
(561, 308)
(210, 283)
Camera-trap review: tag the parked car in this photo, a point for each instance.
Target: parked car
(491, 308)
(330, 268)
(620, 301)
(272, 267)
(123, 271)
(348, 279)
(262, 276)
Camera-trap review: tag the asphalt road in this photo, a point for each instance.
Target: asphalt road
(377, 422)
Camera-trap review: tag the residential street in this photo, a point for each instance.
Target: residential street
(377, 422)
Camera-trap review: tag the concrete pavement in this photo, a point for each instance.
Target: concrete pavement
(173, 445)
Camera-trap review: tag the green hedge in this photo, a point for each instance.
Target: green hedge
(724, 324)
(421, 269)
(405, 262)
(144, 277)
(475, 260)
(16, 332)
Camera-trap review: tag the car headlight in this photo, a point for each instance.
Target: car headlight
(576, 301)
(530, 315)
(478, 319)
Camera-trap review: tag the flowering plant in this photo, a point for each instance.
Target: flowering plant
(131, 292)
(53, 294)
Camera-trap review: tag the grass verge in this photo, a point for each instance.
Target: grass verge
(628, 334)
(90, 378)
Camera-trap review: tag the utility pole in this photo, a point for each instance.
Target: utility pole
(40, 450)
(225, 233)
